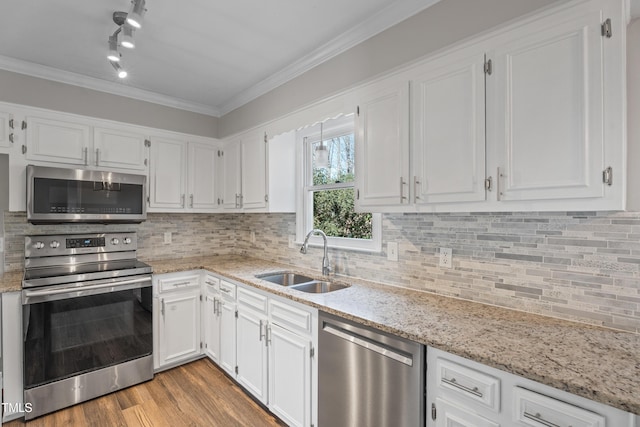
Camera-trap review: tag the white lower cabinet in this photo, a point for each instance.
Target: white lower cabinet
(176, 318)
(211, 317)
(227, 310)
(464, 393)
(252, 352)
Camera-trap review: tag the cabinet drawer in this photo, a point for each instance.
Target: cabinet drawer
(252, 299)
(290, 317)
(538, 410)
(178, 283)
(468, 383)
(211, 282)
(228, 290)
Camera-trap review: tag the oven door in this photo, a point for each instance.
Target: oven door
(70, 330)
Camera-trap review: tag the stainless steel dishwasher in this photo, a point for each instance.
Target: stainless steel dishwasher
(367, 377)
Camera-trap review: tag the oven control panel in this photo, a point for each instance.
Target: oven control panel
(71, 244)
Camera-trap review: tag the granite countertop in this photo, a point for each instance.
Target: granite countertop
(593, 362)
(11, 281)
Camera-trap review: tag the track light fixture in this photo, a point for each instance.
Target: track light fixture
(136, 13)
(127, 24)
(121, 72)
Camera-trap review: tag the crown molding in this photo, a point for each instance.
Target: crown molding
(75, 79)
(384, 19)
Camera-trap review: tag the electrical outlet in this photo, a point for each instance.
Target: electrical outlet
(392, 251)
(1, 244)
(292, 241)
(252, 237)
(167, 237)
(446, 255)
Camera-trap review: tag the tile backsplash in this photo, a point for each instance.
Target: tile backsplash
(582, 266)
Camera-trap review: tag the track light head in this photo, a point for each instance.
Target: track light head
(136, 13)
(119, 18)
(127, 37)
(121, 72)
(113, 54)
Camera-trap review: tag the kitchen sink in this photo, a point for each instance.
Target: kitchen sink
(301, 282)
(319, 287)
(285, 279)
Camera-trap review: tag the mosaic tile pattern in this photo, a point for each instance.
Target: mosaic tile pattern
(582, 266)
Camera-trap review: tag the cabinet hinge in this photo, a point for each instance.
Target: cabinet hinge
(146, 162)
(358, 194)
(10, 123)
(236, 370)
(358, 110)
(148, 199)
(265, 138)
(24, 125)
(266, 198)
(607, 176)
(147, 143)
(24, 149)
(488, 184)
(606, 28)
(201, 345)
(200, 300)
(312, 352)
(433, 412)
(236, 318)
(11, 137)
(488, 67)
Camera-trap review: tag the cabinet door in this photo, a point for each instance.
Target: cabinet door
(202, 178)
(230, 175)
(290, 376)
(448, 130)
(546, 109)
(252, 352)
(453, 415)
(57, 141)
(119, 148)
(166, 174)
(228, 336)
(5, 130)
(179, 327)
(211, 325)
(382, 146)
(254, 171)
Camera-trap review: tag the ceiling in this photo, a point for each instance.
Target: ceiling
(204, 56)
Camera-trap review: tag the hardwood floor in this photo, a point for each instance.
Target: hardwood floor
(196, 394)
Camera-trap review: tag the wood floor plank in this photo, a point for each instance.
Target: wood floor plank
(198, 394)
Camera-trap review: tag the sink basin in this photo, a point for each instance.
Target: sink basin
(319, 287)
(285, 279)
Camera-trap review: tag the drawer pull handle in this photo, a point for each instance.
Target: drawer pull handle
(225, 290)
(452, 382)
(182, 284)
(210, 283)
(538, 418)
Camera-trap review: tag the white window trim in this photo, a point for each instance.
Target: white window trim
(304, 214)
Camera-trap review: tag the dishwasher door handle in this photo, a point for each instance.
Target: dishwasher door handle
(369, 345)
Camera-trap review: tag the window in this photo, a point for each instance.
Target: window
(328, 188)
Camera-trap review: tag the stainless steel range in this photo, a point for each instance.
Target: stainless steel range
(87, 318)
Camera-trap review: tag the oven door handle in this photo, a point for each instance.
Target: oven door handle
(34, 296)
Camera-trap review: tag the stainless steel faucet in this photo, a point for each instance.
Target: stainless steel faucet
(326, 269)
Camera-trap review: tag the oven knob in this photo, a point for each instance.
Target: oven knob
(126, 240)
(38, 245)
(54, 244)
(115, 241)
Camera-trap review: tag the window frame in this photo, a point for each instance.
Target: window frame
(304, 213)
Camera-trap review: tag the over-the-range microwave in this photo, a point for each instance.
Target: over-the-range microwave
(58, 195)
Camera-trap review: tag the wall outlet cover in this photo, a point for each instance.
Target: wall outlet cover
(292, 241)
(252, 236)
(446, 255)
(392, 251)
(167, 237)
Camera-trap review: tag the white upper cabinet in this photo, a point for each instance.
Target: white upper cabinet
(202, 176)
(57, 141)
(182, 176)
(382, 145)
(254, 171)
(5, 130)
(230, 175)
(167, 184)
(448, 129)
(119, 148)
(546, 110)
